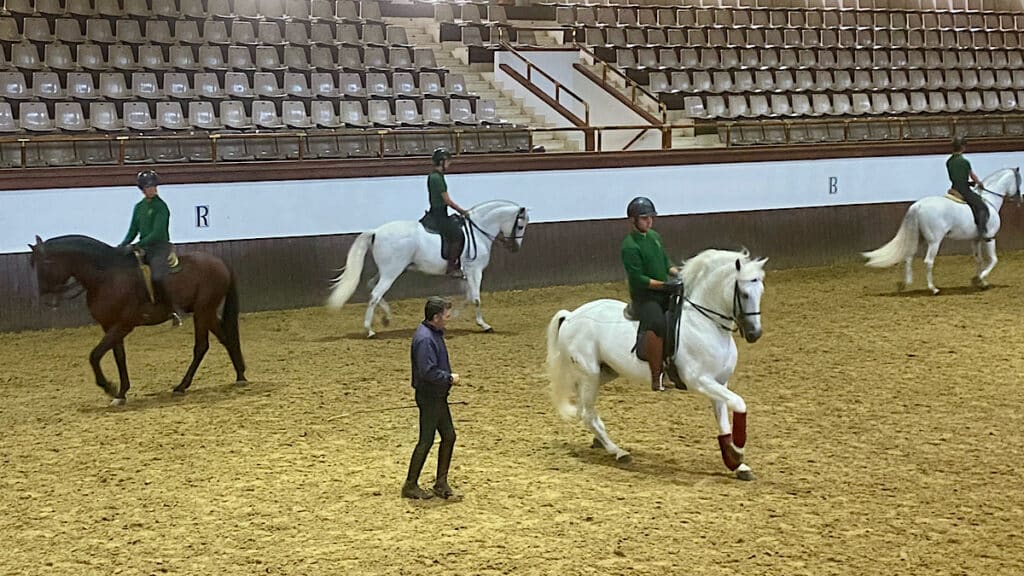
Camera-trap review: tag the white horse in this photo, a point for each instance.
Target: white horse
(406, 245)
(593, 344)
(937, 217)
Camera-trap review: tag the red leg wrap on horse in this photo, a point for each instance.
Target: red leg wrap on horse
(730, 458)
(739, 429)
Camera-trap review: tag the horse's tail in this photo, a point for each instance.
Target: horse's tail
(345, 284)
(229, 317)
(563, 385)
(901, 247)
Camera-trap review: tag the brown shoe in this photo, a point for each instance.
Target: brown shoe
(414, 492)
(443, 490)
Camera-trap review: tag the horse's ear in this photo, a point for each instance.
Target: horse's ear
(737, 264)
(39, 241)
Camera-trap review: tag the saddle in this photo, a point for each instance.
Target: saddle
(430, 225)
(672, 317)
(173, 267)
(954, 195)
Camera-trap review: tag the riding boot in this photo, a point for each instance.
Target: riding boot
(164, 296)
(444, 461)
(455, 257)
(655, 347)
(411, 488)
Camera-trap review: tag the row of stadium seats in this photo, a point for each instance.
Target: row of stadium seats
(265, 114)
(743, 82)
(175, 85)
(816, 132)
(183, 58)
(856, 104)
(731, 59)
(959, 6)
(210, 32)
(231, 146)
(255, 10)
(797, 38)
(729, 17)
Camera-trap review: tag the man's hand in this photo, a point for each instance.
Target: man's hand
(455, 378)
(673, 283)
(127, 249)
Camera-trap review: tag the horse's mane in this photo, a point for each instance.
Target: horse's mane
(488, 205)
(697, 269)
(100, 254)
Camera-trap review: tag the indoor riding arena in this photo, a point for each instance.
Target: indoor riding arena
(287, 137)
(881, 432)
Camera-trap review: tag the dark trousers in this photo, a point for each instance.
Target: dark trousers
(451, 231)
(978, 207)
(156, 256)
(651, 314)
(435, 417)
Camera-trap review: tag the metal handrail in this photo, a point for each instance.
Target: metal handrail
(559, 87)
(632, 85)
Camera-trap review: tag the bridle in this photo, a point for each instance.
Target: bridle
(717, 317)
(510, 243)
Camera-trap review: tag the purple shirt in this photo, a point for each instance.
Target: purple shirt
(431, 371)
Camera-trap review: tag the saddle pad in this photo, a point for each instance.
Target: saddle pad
(953, 195)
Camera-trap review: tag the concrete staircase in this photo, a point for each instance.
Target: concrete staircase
(425, 33)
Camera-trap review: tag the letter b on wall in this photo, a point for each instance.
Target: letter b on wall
(202, 216)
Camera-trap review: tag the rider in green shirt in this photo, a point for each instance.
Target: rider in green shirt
(651, 276)
(960, 176)
(440, 201)
(150, 221)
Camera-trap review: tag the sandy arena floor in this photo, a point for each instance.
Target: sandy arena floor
(884, 430)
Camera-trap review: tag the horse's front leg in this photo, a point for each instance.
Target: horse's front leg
(989, 249)
(474, 277)
(122, 373)
(732, 436)
(112, 336)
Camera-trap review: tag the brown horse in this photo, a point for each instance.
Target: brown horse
(117, 299)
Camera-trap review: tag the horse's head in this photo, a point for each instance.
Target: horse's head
(746, 301)
(52, 273)
(513, 229)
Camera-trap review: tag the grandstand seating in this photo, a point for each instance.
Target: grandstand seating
(178, 71)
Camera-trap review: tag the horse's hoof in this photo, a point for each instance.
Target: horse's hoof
(935, 291)
(745, 473)
(624, 458)
(118, 402)
(178, 392)
(488, 330)
(241, 382)
(370, 335)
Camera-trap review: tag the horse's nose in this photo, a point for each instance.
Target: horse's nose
(752, 335)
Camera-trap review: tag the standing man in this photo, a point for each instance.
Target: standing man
(150, 222)
(432, 378)
(960, 176)
(440, 201)
(647, 271)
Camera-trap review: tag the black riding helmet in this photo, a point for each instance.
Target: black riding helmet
(440, 155)
(640, 206)
(147, 179)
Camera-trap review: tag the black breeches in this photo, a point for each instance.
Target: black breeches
(156, 257)
(978, 207)
(447, 226)
(651, 314)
